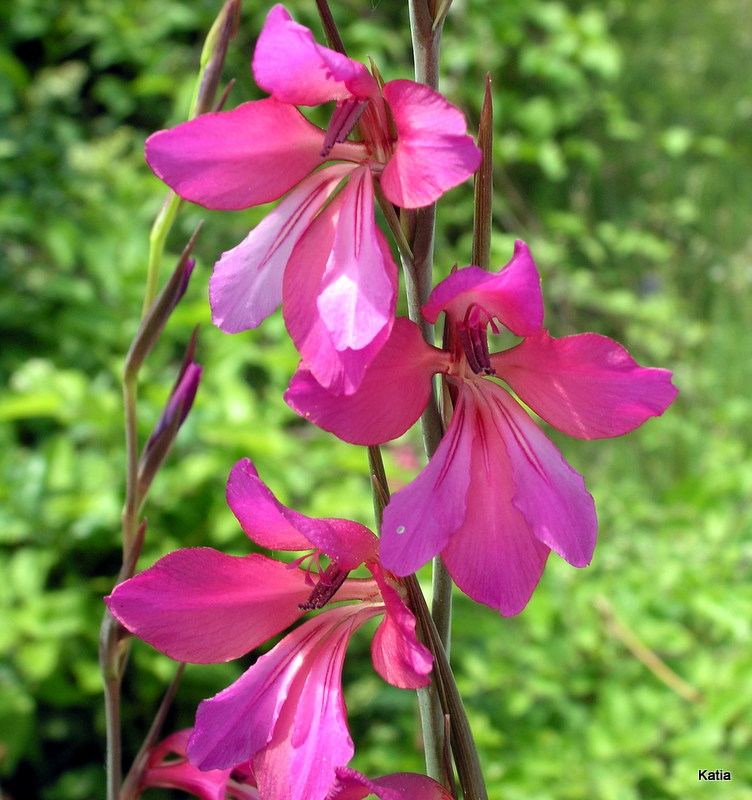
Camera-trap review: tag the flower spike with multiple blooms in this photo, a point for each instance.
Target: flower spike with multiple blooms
(497, 496)
(285, 714)
(340, 291)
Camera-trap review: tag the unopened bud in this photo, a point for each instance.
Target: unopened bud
(176, 410)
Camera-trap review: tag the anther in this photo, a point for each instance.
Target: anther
(472, 333)
(329, 581)
(344, 118)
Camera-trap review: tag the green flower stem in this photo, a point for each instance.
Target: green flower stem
(426, 24)
(420, 226)
(426, 37)
(441, 699)
(114, 640)
(463, 745)
(130, 508)
(429, 703)
(114, 646)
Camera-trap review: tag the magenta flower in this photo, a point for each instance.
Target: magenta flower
(497, 496)
(168, 767)
(285, 714)
(340, 289)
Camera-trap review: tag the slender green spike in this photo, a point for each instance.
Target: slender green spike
(484, 185)
(376, 73)
(213, 57)
(330, 27)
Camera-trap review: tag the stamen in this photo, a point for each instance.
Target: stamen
(474, 338)
(480, 342)
(467, 346)
(330, 580)
(344, 118)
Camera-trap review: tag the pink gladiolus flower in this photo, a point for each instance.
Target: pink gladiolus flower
(285, 714)
(168, 767)
(340, 292)
(497, 496)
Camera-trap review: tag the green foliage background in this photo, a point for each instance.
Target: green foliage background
(622, 156)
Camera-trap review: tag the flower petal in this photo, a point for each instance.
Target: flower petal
(202, 606)
(271, 524)
(421, 517)
(237, 159)
(266, 521)
(340, 289)
(433, 153)
(493, 555)
(397, 654)
(236, 723)
(288, 702)
(358, 288)
(389, 400)
(164, 770)
(512, 295)
(311, 738)
(348, 543)
(289, 65)
(547, 491)
(585, 385)
(351, 785)
(246, 285)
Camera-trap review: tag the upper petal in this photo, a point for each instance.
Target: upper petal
(585, 385)
(433, 152)
(202, 606)
(390, 398)
(289, 65)
(421, 517)
(512, 295)
(266, 521)
(340, 289)
(246, 285)
(273, 525)
(237, 159)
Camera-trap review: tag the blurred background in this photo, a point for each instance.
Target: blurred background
(622, 156)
